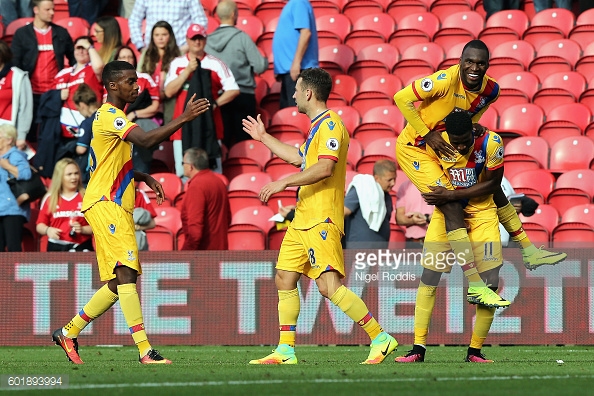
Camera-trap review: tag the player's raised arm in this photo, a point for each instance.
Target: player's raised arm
(255, 128)
(194, 108)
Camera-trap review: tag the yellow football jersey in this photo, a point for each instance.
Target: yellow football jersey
(323, 201)
(112, 172)
(466, 170)
(440, 93)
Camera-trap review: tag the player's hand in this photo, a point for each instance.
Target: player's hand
(438, 196)
(156, 187)
(254, 127)
(440, 146)
(272, 188)
(195, 107)
(478, 130)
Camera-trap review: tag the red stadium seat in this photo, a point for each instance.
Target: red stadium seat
(545, 215)
(516, 20)
(536, 184)
(522, 120)
(17, 24)
(417, 61)
(585, 66)
(562, 19)
(468, 20)
(359, 39)
(364, 69)
(525, 82)
(350, 117)
(357, 8)
(338, 24)
(549, 98)
(389, 115)
(495, 35)
(291, 116)
(364, 101)
(565, 48)
(381, 83)
(397, 233)
(324, 7)
(539, 35)
(341, 55)
(399, 9)
(579, 214)
(520, 50)
(370, 132)
(385, 147)
(510, 97)
(381, 23)
(250, 182)
(277, 167)
(577, 113)
(255, 215)
(574, 152)
(574, 187)
(571, 81)
(414, 29)
(284, 198)
(169, 217)
(385, 53)
(160, 239)
(346, 86)
(275, 238)
(163, 158)
(490, 118)
(573, 234)
(582, 34)
(555, 130)
(269, 10)
(443, 8)
(525, 153)
(250, 24)
(78, 27)
(449, 37)
(250, 149)
(355, 152)
(246, 237)
(264, 43)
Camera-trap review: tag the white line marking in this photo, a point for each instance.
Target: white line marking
(319, 381)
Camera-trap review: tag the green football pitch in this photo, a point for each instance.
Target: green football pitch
(322, 370)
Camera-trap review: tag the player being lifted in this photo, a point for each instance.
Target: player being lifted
(311, 245)
(464, 87)
(475, 173)
(108, 205)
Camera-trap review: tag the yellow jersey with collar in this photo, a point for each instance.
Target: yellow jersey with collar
(440, 94)
(465, 171)
(112, 172)
(323, 201)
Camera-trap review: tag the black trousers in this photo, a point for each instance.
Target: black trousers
(233, 113)
(287, 90)
(11, 233)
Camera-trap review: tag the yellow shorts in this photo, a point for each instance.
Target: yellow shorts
(484, 237)
(312, 252)
(421, 168)
(115, 239)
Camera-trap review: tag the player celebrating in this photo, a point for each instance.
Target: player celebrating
(475, 173)
(108, 205)
(311, 245)
(464, 87)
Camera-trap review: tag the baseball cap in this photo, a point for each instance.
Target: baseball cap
(196, 30)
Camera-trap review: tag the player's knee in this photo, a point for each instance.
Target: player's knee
(453, 214)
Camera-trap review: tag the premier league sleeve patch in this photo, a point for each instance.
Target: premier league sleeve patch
(332, 144)
(119, 123)
(426, 84)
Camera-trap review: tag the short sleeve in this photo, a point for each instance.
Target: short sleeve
(435, 85)
(330, 139)
(494, 152)
(351, 200)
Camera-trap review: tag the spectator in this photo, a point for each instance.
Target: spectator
(144, 218)
(540, 5)
(493, 6)
(16, 98)
(109, 35)
(87, 69)
(294, 46)
(40, 48)
(413, 213)
(126, 8)
(13, 164)
(205, 211)
(238, 51)
(88, 10)
(368, 207)
(522, 204)
(142, 110)
(212, 77)
(60, 216)
(161, 51)
(179, 13)
(11, 10)
(86, 103)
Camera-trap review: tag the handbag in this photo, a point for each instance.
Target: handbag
(27, 190)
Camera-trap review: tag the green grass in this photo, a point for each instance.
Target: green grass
(223, 370)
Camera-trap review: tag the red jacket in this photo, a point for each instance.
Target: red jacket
(205, 213)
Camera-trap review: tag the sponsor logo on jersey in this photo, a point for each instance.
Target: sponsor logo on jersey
(416, 165)
(112, 228)
(331, 125)
(442, 76)
(462, 177)
(332, 144)
(426, 84)
(119, 123)
(479, 157)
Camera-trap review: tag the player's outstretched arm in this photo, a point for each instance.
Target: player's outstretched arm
(194, 108)
(153, 185)
(255, 128)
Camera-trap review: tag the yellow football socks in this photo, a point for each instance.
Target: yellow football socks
(130, 303)
(423, 310)
(101, 301)
(513, 225)
(482, 324)
(289, 306)
(356, 309)
(462, 248)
